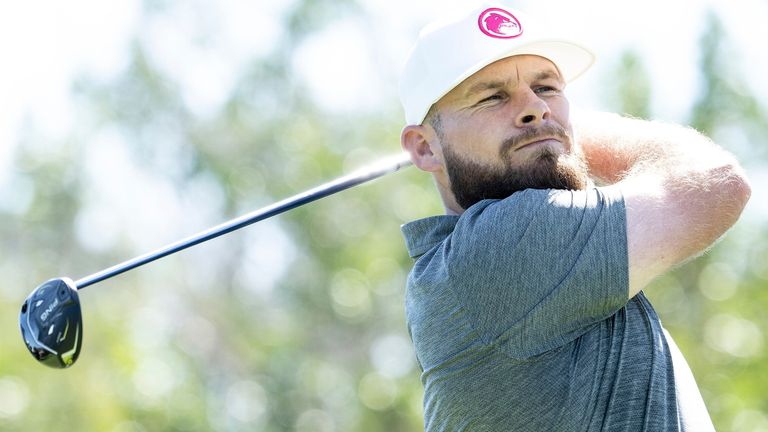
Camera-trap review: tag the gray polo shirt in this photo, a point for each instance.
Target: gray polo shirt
(519, 313)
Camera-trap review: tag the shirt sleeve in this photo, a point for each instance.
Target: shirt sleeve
(536, 270)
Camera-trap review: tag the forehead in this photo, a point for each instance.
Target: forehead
(515, 69)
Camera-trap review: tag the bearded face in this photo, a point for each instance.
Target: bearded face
(544, 168)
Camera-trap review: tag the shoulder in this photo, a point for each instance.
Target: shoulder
(542, 204)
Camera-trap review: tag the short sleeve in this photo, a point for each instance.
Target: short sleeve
(536, 270)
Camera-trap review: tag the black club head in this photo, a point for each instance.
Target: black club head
(52, 324)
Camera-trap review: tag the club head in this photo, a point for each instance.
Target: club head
(51, 323)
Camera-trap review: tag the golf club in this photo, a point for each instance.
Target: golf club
(51, 320)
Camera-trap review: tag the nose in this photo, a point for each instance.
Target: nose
(533, 111)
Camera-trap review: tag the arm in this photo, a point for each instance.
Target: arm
(681, 191)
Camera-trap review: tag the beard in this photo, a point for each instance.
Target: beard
(472, 182)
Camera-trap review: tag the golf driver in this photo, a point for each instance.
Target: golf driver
(51, 320)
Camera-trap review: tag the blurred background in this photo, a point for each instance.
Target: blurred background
(127, 125)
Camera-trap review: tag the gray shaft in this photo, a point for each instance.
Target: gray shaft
(363, 175)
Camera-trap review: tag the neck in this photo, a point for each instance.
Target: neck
(449, 201)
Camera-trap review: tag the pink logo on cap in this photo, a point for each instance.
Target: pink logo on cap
(499, 23)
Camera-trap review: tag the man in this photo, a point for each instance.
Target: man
(524, 303)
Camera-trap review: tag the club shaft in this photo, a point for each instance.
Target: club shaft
(376, 170)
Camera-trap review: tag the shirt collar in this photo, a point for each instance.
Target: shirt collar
(423, 234)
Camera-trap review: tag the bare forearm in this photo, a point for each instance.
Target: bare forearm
(681, 191)
(618, 147)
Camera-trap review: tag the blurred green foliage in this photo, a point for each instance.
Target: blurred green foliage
(296, 323)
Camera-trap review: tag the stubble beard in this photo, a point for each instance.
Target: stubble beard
(472, 182)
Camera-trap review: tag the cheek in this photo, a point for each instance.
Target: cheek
(561, 110)
(478, 144)
(464, 137)
(481, 133)
(562, 116)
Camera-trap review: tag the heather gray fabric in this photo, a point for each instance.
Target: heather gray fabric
(519, 315)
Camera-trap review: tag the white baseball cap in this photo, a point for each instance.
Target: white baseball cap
(455, 46)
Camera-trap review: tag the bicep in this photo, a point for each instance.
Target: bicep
(671, 220)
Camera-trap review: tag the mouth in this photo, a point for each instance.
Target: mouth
(537, 142)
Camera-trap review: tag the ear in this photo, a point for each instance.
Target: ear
(423, 146)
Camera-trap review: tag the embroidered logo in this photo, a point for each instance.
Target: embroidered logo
(499, 23)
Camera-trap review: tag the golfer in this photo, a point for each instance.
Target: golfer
(525, 302)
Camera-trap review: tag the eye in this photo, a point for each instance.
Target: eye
(492, 98)
(546, 90)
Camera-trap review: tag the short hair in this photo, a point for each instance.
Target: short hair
(434, 120)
